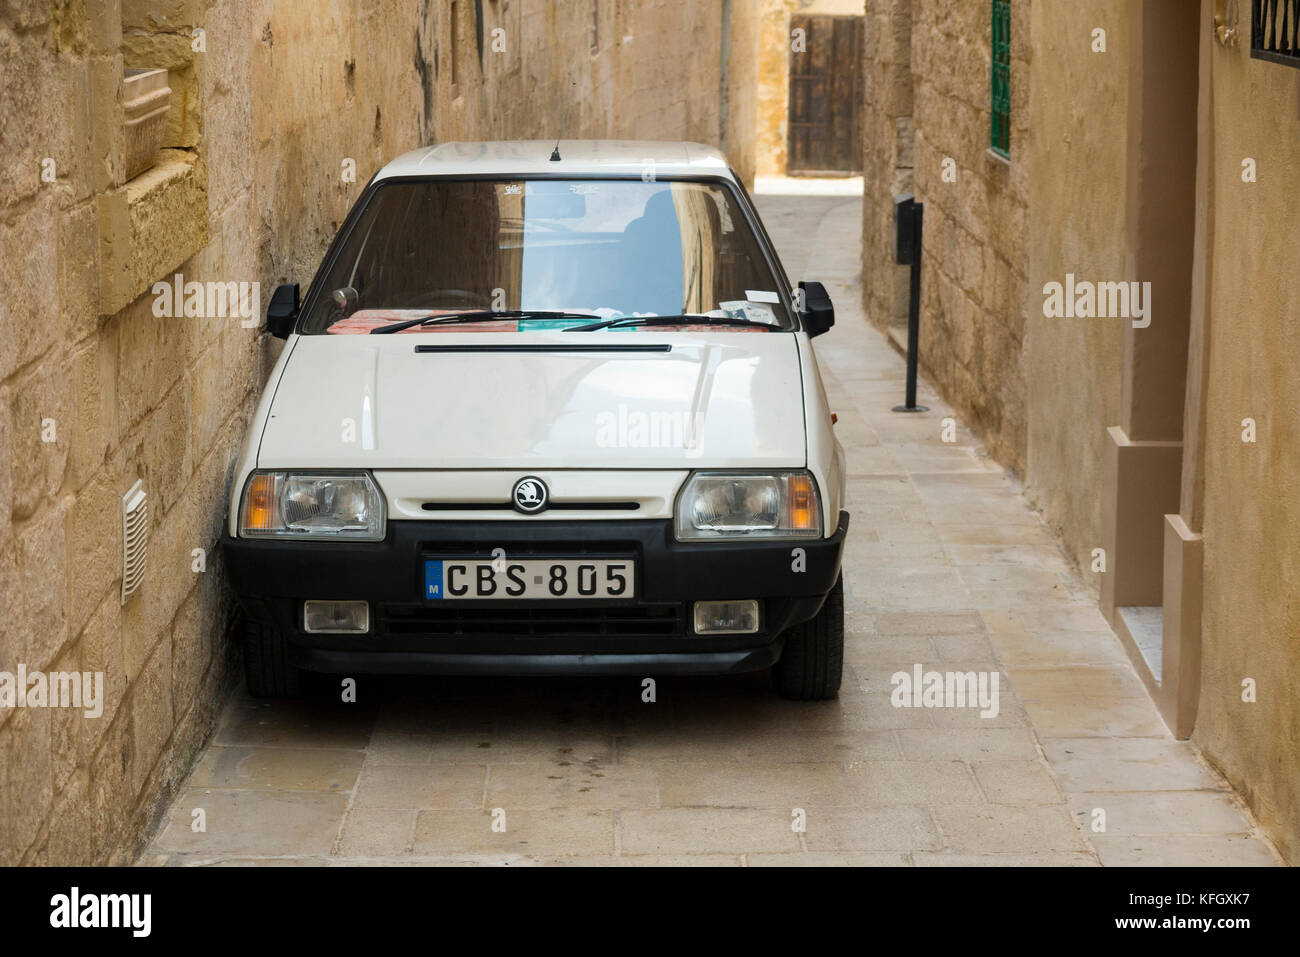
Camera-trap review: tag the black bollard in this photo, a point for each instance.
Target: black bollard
(908, 215)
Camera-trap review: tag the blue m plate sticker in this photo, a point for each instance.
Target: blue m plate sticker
(432, 579)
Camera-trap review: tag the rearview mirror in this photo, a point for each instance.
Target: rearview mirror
(282, 311)
(818, 313)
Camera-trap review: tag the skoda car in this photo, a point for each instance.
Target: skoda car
(544, 409)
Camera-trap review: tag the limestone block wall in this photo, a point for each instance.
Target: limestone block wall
(887, 144)
(95, 392)
(650, 69)
(279, 115)
(973, 305)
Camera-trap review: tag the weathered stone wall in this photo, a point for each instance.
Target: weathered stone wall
(741, 121)
(645, 70)
(96, 391)
(1065, 205)
(887, 155)
(1251, 611)
(1001, 230)
(973, 302)
(1077, 208)
(773, 87)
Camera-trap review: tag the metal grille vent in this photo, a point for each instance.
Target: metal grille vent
(135, 539)
(1275, 31)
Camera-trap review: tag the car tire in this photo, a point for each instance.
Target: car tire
(266, 663)
(812, 663)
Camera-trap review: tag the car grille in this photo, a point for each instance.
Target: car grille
(455, 620)
(565, 549)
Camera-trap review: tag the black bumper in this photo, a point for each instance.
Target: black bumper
(651, 633)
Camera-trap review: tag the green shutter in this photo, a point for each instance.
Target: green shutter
(1000, 132)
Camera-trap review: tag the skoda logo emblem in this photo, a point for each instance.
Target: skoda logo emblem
(530, 495)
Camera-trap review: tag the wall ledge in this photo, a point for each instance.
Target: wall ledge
(149, 227)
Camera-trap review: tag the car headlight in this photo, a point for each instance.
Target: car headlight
(341, 506)
(731, 505)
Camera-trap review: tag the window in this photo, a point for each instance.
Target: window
(1275, 31)
(1000, 132)
(603, 247)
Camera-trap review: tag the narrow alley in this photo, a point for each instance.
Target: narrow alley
(947, 567)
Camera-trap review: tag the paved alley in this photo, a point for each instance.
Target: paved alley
(946, 569)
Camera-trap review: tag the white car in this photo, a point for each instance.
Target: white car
(544, 409)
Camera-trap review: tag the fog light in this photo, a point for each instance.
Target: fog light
(726, 617)
(336, 617)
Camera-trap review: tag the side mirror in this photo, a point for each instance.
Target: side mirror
(282, 311)
(818, 313)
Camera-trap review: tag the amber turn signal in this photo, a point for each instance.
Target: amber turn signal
(801, 502)
(259, 505)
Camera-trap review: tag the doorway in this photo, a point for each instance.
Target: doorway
(1151, 590)
(825, 99)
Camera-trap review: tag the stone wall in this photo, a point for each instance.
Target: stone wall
(272, 104)
(1043, 391)
(1242, 497)
(1251, 612)
(650, 69)
(773, 86)
(887, 144)
(1077, 210)
(973, 303)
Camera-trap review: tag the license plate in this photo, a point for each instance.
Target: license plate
(534, 578)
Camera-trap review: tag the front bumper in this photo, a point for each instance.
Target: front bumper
(650, 633)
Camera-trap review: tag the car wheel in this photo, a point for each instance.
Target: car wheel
(812, 662)
(266, 663)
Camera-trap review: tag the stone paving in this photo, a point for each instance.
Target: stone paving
(946, 567)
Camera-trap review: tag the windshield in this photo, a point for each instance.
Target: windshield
(597, 248)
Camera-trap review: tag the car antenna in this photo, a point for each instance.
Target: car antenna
(555, 153)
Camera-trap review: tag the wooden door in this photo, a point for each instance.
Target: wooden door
(825, 96)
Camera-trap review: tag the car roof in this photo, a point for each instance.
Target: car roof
(577, 158)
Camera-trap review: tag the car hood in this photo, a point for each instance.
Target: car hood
(528, 400)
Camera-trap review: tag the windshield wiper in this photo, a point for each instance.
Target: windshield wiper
(684, 320)
(477, 315)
